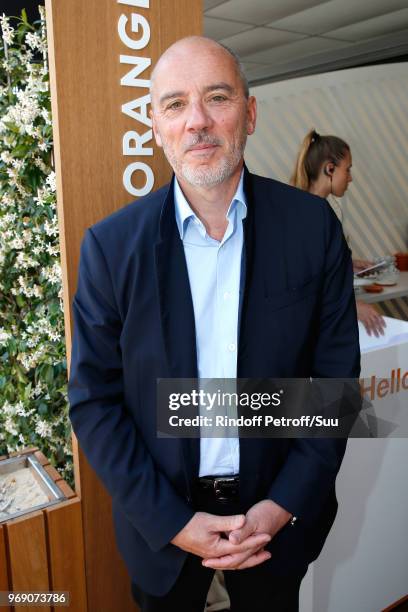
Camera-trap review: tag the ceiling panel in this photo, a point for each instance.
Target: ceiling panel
(251, 68)
(295, 50)
(259, 39)
(377, 26)
(336, 14)
(259, 12)
(282, 38)
(211, 3)
(222, 28)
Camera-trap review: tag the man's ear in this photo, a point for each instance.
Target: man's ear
(251, 115)
(155, 130)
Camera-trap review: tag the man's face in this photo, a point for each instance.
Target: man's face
(200, 114)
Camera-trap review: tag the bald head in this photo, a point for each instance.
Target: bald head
(201, 112)
(192, 47)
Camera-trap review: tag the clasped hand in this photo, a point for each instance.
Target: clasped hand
(233, 542)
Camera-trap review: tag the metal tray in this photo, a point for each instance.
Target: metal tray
(54, 494)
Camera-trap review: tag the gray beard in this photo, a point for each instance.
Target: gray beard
(207, 176)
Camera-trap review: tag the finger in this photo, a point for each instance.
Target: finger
(224, 547)
(381, 325)
(375, 330)
(238, 535)
(230, 561)
(226, 523)
(256, 559)
(368, 328)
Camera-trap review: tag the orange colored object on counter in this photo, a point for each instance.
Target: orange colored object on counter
(401, 261)
(373, 288)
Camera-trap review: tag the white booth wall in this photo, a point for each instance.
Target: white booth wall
(368, 108)
(364, 565)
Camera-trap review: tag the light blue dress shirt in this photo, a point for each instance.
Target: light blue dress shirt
(214, 270)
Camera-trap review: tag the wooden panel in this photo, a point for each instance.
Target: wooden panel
(66, 489)
(66, 552)
(87, 98)
(89, 127)
(27, 551)
(4, 582)
(41, 458)
(51, 471)
(25, 451)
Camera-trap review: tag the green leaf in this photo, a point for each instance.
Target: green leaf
(42, 409)
(24, 16)
(20, 300)
(12, 346)
(49, 374)
(20, 151)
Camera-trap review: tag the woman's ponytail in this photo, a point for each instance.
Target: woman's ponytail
(299, 177)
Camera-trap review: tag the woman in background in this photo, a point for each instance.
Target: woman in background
(323, 167)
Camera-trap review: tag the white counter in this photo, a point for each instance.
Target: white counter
(389, 293)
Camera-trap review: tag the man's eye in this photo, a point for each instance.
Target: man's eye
(218, 98)
(175, 105)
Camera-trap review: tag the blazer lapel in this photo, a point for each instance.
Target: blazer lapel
(177, 314)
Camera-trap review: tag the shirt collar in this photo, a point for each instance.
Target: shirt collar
(184, 212)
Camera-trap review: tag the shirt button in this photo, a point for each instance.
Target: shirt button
(232, 347)
(227, 295)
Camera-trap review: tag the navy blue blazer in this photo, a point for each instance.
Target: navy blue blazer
(134, 323)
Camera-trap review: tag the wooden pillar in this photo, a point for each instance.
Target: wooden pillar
(101, 54)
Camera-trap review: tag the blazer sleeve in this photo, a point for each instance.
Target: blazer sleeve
(105, 429)
(308, 475)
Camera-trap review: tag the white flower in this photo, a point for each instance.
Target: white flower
(43, 429)
(26, 57)
(40, 164)
(29, 361)
(51, 181)
(7, 66)
(10, 426)
(51, 229)
(6, 200)
(13, 174)
(46, 115)
(4, 336)
(25, 261)
(52, 250)
(17, 164)
(42, 195)
(42, 145)
(53, 274)
(33, 41)
(17, 243)
(8, 31)
(6, 157)
(54, 336)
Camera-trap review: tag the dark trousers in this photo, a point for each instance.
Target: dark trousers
(253, 589)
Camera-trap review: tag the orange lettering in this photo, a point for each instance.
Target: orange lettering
(383, 387)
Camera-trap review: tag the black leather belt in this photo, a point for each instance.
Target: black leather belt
(220, 488)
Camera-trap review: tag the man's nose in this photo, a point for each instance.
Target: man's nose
(198, 117)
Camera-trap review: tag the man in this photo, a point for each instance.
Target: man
(220, 274)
